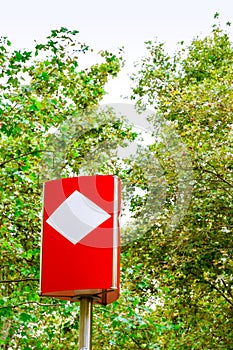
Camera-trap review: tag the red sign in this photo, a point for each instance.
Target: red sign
(80, 253)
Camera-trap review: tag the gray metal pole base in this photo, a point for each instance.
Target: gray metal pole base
(85, 323)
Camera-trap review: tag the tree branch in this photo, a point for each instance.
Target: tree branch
(22, 155)
(27, 303)
(19, 280)
(219, 290)
(217, 175)
(227, 288)
(213, 286)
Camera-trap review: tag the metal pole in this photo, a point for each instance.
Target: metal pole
(85, 323)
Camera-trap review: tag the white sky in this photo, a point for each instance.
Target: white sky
(111, 24)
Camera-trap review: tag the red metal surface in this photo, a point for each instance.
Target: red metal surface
(69, 270)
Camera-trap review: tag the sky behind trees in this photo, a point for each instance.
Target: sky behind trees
(109, 25)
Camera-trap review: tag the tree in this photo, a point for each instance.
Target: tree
(190, 268)
(176, 279)
(40, 91)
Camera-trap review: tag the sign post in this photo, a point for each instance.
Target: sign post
(80, 253)
(85, 323)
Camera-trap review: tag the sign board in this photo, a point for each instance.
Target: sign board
(80, 253)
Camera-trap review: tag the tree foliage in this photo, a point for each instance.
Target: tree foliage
(40, 90)
(192, 265)
(176, 279)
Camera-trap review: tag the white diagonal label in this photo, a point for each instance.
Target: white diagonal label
(76, 217)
